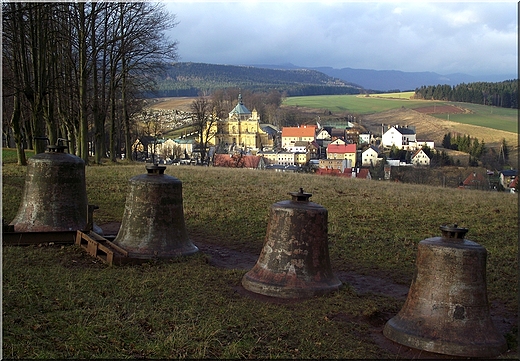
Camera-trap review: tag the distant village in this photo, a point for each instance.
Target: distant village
(243, 141)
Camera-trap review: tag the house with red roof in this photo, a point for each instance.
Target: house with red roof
(475, 181)
(291, 135)
(342, 151)
(361, 173)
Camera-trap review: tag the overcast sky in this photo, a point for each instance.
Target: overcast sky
(473, 37)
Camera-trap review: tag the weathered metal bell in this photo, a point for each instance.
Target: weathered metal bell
(446, 310)
(153, 221)
(55, 195)
(294, 262)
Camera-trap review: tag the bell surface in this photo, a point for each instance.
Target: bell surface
(294, 262)
(446, 310)
(153, 220)
(55, 195)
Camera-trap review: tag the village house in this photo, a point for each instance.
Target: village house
(314, 150)
(370, 157)
(399, 136)
(361, 173)
(420, 158)
(323, 134)
(285, 158)
(291, 135)
(338, 133)
(342, 151)
(270, 156)
(298, 146)
(475, 181)
(339, 164)
(302, 158)
(506, 178)
(352, 135)
(365, 138)
(148, 147)
(338, 141)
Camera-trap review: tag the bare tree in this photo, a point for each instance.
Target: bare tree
(204, 120)
(77, 64)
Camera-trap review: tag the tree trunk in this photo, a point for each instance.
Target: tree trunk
(83, 122)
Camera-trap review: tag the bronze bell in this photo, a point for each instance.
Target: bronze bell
(294, 262)
(446, 310)
(55, 194)
(153, 220)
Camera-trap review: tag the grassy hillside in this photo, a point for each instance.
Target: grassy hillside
(60, 303)
(480, 115)
(356, 104)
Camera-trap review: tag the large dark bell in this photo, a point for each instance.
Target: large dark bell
(446, 310)
(153, 220)
(55, 196)
(294, 262)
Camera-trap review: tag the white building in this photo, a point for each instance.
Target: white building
(399, 136)
(370, 157)
(419, 158)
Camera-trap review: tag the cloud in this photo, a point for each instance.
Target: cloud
(445, 37)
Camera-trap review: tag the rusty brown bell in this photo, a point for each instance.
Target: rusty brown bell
(294, 261)
(55, 194)
(153, 221)
(446, 310)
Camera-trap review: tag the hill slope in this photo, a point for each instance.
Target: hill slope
(188, 79)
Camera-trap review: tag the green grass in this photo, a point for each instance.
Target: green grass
(485, 116)
(60, 303)
(355, 104)
(481, 115)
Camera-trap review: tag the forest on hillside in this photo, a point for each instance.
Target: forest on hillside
(503, 94)
(190, 79)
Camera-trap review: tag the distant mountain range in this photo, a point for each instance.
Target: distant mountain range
(387, 80)
(190, 79)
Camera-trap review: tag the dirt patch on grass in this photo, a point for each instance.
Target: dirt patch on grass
(177, 103)
(441, 109)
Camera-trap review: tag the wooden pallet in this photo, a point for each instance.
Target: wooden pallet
(101, 248)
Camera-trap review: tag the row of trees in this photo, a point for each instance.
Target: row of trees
(73, 70)
(503, 94)
(464, 143)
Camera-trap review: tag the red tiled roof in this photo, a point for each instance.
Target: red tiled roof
(246, 161)
(303, 131)
(473, 177)
(341, 148)
(363, 172)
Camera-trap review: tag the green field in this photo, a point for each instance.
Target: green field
(354, 103)
(485, 116)
(491, 117)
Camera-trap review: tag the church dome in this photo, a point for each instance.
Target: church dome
(240, 108)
